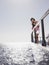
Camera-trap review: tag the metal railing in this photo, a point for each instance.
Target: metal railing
(42, 27)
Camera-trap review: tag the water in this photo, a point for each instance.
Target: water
(23, 54)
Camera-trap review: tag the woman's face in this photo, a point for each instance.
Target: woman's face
(32, 20)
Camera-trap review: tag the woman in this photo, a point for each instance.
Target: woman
(34, 22)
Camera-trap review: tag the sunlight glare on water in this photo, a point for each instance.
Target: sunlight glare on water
(17, 44)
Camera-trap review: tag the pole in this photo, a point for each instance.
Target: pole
(35, 36)
(32, 37)
(43, 34)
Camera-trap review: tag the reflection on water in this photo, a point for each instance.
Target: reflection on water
(29, 54)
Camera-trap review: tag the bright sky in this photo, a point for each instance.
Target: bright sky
(15, 25)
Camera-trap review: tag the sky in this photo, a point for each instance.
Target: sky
(15, 25)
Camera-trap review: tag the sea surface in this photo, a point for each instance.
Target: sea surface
(23, 54)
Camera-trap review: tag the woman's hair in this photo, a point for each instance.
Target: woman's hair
(32, 19)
